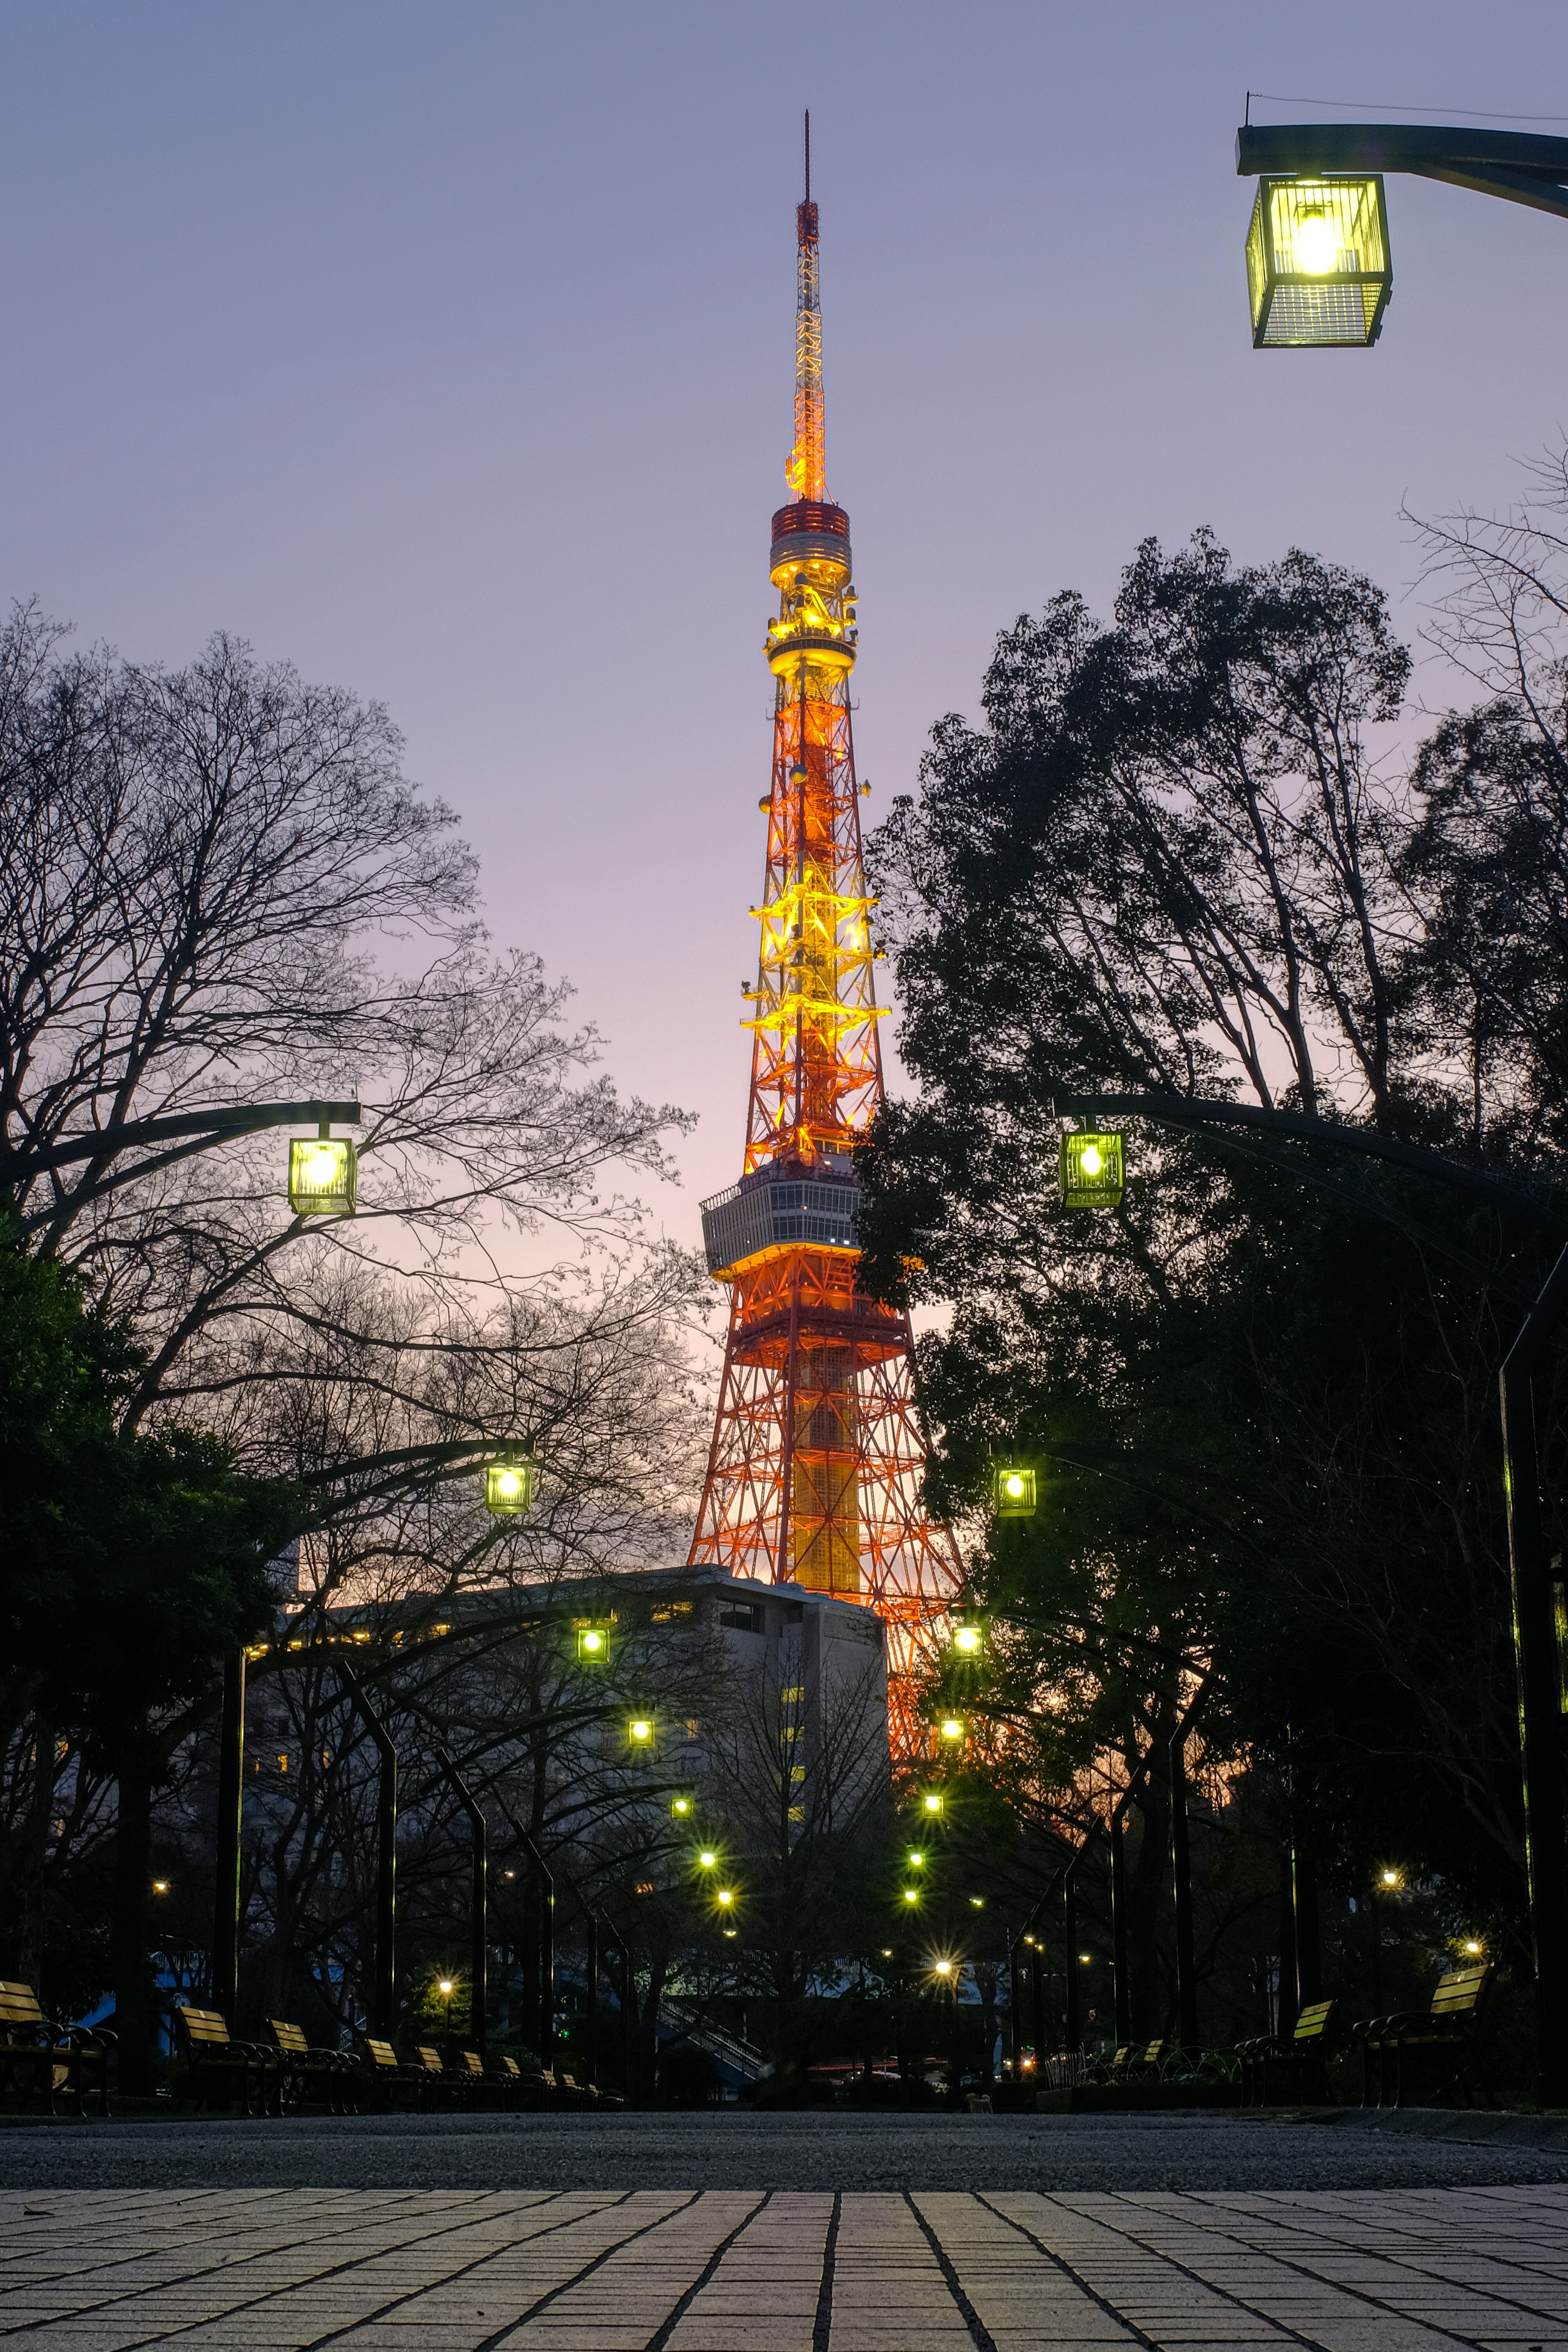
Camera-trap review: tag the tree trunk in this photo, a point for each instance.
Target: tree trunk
(1146, 1877)
(32, 1873)
(130, 1962)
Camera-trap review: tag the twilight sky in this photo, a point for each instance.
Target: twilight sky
(447, 349)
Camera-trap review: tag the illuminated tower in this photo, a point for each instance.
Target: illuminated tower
(814, 1473)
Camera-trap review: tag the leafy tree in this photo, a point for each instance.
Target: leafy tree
(1172, 858)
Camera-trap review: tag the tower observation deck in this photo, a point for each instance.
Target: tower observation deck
(814, 1473)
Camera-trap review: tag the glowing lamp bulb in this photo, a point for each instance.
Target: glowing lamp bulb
(967, 1639)
(1389, 1877)
(917, 1860)
(944, 1968)
(912, 1895)
(160, 1887)
(933, 1803)
(1471, 1946)
(950, 1727)
(446, 1985)
(707, 1858)
(1089, 1159)
(726, 1896)
(321, 1165)
(593, 1641)
(1013, 1485)
(509, 1483)
(1317, 251)
(682, 1805)
(642, 1729)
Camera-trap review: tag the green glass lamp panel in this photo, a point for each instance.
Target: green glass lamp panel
(1090, 1170)
(509, 1487)
(323, 1176)
(1319, 271)
(1015, 1492)
(593, 1646)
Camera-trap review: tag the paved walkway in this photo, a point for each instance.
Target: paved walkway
(732, 2270)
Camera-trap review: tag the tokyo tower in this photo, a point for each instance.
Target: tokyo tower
(814, 1473)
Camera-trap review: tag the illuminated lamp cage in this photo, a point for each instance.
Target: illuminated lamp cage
(1090, 1170)
(1015, 1491)
(509, 1486)
(323, 1176)
(593, 1646)
(1318, 266)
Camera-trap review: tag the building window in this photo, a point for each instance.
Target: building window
(745, 1617)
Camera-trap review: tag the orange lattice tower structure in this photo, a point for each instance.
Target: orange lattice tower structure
(814, 1474)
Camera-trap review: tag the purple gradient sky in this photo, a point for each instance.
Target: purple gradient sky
(448, 351)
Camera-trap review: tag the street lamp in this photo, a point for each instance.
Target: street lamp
(682, 1808)
(1318, 268)
(1090, 1170)
(1013, 1489)
(932, 1802)
(707, 1859)
(593, 1646)
(953, 1727)
(912, 1895)
(509, 1486)
(640, 1732)
(323, 1175)
(916, 1858)
(968, 1638)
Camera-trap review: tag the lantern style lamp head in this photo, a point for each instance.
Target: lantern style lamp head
(641, 1731)
(916, 1858)
(682, 1808)
(953, 1727)
(323, 1175)
(1013, 1489)
(593, 1646)
(1090, 1170)
(725, 1896)
(1317, 266)
(509, 1487)
(912, 1895)
(932, 1802)
(944, 1968)
(707, 1859)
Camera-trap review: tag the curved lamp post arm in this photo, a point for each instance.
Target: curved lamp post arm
(1519, 165)
(216, 1125)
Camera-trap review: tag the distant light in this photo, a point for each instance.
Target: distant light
(446, 1985)
(1472, 1947)
(886, 1951)
(726, 1896)
(707, 1858)
(1085, 1957)
(977, 1902)
(952, 1728)
(1388, 1877)
(944, 1968)
(932, 1801)
(917, 1859)
(967, 1639)
(912, 1895)
(160, 1887)
(641, 1729)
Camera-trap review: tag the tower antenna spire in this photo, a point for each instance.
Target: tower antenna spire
(808, 154)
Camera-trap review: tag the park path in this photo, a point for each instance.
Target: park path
(748, 2270)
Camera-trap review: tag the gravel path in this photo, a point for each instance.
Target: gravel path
(735, 2150)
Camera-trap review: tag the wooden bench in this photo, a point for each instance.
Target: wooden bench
(391, 2081)
(220, 2072)
(304, 2073)
(453, 2084)
(41, 2059)
(1302, 2059)
(1440, 2039)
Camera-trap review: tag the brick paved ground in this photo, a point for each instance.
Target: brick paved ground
(757, 2271)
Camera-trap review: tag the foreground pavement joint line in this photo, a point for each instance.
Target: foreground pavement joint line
(1494, 2303)
(225, 2267)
